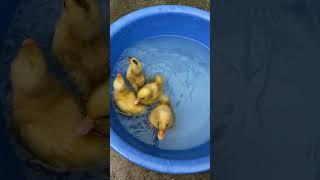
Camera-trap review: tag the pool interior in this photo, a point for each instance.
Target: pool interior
(184, 65)
(147, 27)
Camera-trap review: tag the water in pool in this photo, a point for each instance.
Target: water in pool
(185, 66)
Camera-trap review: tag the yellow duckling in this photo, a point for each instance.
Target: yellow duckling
(124, 98)
(135, 74)
(80, 43)
(162, 117)
(45, 114)
(150, 92)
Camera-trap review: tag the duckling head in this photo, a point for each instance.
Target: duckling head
(164, 100)
(158, 79)
(119, 84)
(134, 65)
(29, 68)
(85, 18)
(143, 95)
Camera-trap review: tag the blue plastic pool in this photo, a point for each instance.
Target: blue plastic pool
(133, 32)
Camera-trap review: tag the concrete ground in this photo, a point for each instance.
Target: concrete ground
(121, 169)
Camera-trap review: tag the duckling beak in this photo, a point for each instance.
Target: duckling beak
(118, 76)
(136, 102)
(28, 42)
(160, 134)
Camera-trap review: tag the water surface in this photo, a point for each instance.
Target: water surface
(185, 66)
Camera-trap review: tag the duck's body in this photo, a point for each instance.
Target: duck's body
(162, 117)
(45, 114)
(47, 131)
(150, 92)
(135, 74)
(80, 43)
(124, 98)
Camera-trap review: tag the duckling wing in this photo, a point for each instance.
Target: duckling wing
(125, 102)
(154, 118)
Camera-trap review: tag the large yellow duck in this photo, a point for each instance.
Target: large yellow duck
(45, 115)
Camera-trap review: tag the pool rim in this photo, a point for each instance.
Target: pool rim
(132, 154)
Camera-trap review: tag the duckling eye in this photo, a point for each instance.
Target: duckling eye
(167, 125)
(135, 61)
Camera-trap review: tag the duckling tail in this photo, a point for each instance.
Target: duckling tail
(164, 100)
(158, 79)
